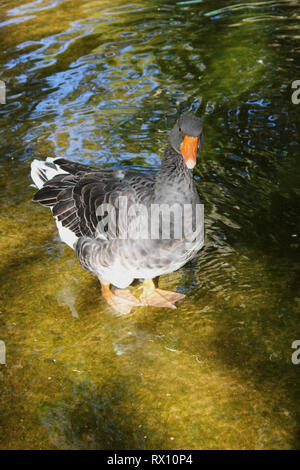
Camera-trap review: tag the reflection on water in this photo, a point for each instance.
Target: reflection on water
(67, 296)
(102, 83)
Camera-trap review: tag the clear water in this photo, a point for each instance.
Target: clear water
(103, 82)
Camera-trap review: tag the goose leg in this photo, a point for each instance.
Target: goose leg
(158, 297)
(121, 300)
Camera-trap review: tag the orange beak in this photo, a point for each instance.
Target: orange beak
(189, 151)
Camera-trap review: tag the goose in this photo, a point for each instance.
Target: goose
(117, 220)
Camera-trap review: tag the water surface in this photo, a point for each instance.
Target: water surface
(102, 83)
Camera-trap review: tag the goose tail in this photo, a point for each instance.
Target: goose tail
(43, 171)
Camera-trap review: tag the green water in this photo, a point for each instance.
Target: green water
(103, 82)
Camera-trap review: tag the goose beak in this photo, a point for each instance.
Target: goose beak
(188, 149)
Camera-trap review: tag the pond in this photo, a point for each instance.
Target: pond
(103, 83)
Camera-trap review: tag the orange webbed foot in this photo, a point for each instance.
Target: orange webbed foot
(121, 300)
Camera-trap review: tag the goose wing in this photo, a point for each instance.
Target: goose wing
(76, 194)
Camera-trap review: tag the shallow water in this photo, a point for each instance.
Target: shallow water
(102, 83)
